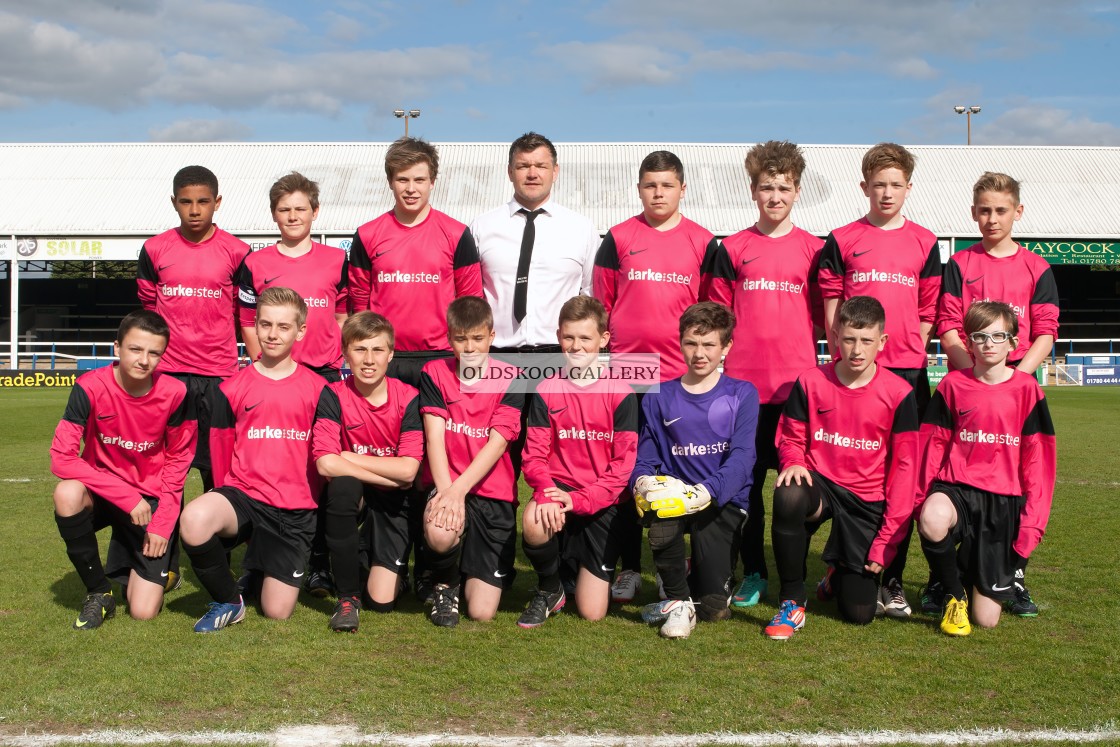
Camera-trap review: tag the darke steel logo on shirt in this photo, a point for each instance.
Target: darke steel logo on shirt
(396, 276)
(694, 449)
(983, 437)
(278, 434)
(126, 444)
(878, 276)
(659, 277)
(186, 291)
(847, 442)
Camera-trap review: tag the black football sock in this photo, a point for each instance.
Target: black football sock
(666, 541)
(942, 559)
(445, 566)
(752, 549)
(898, 565)
(212, 568)
(790, 538)
(857, 595)
(545, 560)
(81, 547)
(339, 516)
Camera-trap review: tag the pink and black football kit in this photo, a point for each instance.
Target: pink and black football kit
(901, 268)
(861, 448)
(410, 274)
(646, 278)
(991, 449)
(319, 277)
(125, 449)
(1023, 280)
(194, 288)
(392, 429)
(470, 411)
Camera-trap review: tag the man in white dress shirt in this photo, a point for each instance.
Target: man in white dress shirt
(535, 253)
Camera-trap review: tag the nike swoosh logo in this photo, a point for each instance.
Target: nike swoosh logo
(607, 568)
(500, 575)
(557, 411)
(81, 624)
(106, 417)
(297, 574)
(451, 401)
(353, 427)
(670, 422)
(1000, 588)
(161, 268)
(250, 407)
(860, 254)
(637, 251)
(266, 281)
(748, 261)
(163, 574)
(965, 412)
(822, 412)
(974, 280)
(381, 254)
(398, 561)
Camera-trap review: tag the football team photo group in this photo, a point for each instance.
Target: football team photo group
(369, 442)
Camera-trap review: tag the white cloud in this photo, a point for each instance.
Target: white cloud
(1043, 125)
(200, 131)
(232, 56)
(42, 60)
(612, 64)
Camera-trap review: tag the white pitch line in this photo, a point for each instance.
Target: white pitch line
(1090, 483)
(336, 736)
(16, 479)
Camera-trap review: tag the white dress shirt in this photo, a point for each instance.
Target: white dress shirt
(563, 260)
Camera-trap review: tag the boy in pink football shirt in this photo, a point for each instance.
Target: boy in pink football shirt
(998, 269)
(988, 471)
(648, 270)
(579, 452)
(472, 412)
(848, 449)
(139, 439)
(898, 262)
(276, 422)
(768, 271)
(383, 436)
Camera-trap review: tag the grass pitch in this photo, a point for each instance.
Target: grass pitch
(400, 674)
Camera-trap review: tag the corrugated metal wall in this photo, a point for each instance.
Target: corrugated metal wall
(124, 189)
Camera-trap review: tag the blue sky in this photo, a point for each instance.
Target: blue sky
(812, 71)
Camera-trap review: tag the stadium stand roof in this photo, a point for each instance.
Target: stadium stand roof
(123, 189)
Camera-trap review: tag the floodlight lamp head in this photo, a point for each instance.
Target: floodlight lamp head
(414, 113)
(957, 109)
(974, 109)
(398, 113)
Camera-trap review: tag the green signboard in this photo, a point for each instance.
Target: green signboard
(1065, 252)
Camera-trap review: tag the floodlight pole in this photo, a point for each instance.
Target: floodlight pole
(406, 115)
(968, 111)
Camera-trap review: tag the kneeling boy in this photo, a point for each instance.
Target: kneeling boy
(848, 447)
(579, 452)
(382, 445)
(695, 457)
(471, 414)
(987, 426)
(139, 442)
(277, 418)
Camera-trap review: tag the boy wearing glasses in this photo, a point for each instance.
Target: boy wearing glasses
(997, 269)
(986, 425)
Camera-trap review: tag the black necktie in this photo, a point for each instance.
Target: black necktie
(521, 288)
